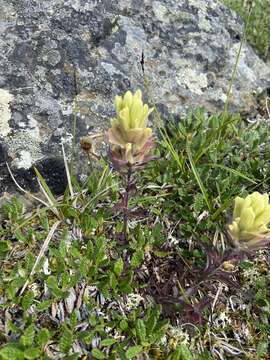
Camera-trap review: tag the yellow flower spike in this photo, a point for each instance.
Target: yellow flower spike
(136, 114)
(234, 229)
(130, 139)
(237, 207)
(266, 199)
(138, 94)
(246, 220)
(246, 203)
(131, 120)
(124, 119)
(258, 202)
(263, 218)
(128, 99)
(251, 216)
(146, 113)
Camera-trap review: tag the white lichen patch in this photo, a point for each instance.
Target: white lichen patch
(33, 128)
(160, 11)
(24, 149)
(203, 23)
(194, 81)
(5, 112)
(24, 160)
(198, 4)
(109, 68)
(218, 95)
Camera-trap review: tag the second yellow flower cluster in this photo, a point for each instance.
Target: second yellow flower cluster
(251, 216)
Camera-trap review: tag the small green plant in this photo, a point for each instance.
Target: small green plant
(70, 289)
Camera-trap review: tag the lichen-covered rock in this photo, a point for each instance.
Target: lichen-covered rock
(180, 53)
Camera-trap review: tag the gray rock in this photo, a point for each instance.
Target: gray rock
(180, 53)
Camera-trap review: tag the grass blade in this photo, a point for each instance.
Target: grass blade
(23, 190)
(233, 171)
(197, 176)
(68, 173)
(41, 253)
(47, 192)
(171, 149)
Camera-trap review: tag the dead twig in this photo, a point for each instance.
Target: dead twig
(41, 253)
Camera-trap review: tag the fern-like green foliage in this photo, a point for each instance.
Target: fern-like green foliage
(66, 341)
(28, 336)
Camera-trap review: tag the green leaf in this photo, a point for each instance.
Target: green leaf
(98, 354)
(151, 321)
(197, 176)
(4, 246)
(66, 341)
(137, 258)
(19, 236)
(73, 319)
(132, 351)
(27, 338)
(107, 342)
(87, 337)
(235, 172)
(141, 330)
(50, 197)
(123, 325)
(185, 354)
(53, 285)
(90, 250)
(262, 349)
(176, 355)
(43, 337)
(118, 267)
(44, 305)
(62, 245)
(27, 300)
(32, 353)
(11, 352)
(113, 281)
(179, 159)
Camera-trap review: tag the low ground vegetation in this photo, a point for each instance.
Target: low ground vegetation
(97, 275)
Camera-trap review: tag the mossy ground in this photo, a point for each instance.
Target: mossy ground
(173, 290)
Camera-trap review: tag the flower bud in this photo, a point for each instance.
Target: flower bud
(251, 216)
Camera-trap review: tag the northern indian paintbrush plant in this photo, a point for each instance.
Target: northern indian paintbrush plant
(248, 231)
(131, 142)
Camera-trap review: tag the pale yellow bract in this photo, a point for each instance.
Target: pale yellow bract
(130, 124)
(251, 217)
(129, 135)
